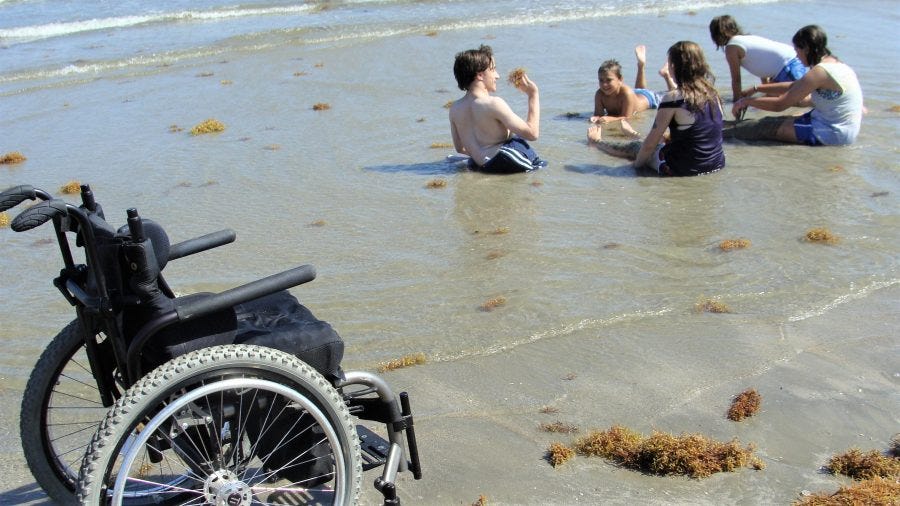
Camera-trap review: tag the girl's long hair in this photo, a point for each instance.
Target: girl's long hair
(812, 39)
(692, 74)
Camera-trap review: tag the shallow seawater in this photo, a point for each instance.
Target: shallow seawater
(584, 245)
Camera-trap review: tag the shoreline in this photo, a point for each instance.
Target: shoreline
(820, 397)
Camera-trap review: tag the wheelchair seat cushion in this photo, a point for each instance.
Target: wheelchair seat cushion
(279, 321)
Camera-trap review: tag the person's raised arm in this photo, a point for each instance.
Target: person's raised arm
(529, 128)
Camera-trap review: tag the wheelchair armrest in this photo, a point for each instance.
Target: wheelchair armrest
(202, 243)
(192, 308)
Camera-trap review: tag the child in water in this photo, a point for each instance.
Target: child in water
(616, 101)
(692, 114)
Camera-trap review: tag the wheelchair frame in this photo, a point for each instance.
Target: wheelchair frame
(99, 292)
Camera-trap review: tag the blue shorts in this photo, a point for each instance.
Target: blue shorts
(514, 156)
(803, 129)
(651, 96)
(793, 71)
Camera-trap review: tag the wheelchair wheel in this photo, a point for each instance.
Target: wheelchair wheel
(229, 425)
(61, 410)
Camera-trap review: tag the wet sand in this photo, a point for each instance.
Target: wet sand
(821, 395)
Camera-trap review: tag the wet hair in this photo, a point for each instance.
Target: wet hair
(812, 39)
(722, 29)
(610, 66)
(469, 63)
(691, 72)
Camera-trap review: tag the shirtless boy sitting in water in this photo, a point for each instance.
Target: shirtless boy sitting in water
(615, 101)
(483, 126)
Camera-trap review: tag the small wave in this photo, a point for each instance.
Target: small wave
(49, 30)
(843, 299)
(586, 324)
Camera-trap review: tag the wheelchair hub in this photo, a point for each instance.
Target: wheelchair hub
(223, 488)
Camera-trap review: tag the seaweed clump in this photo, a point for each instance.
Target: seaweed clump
(4, 219)
(516, 77)
(558, 454)
(481, 501)
(404, 361)
(711, 306)
(861, 465)
(208, 126)
(732, 244)
(558, 427)
(876, 491)
(70, 188)
(822, 235)
(321, 106)
(492, 304)
(441, 145)
(12, 158)
(744, 404)
(436, 183)
(693, 455)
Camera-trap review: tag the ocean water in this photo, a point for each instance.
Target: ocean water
(106, 92)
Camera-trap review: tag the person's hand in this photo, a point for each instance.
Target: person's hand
(527, 86)
(601, 120)
(739, 108)
(749, 92)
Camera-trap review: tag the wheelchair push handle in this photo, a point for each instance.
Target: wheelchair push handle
(202, 243)
(39, 214)
(11, 197)
(191, 308)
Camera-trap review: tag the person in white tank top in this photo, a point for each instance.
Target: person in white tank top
(770, 61)
(830, 87)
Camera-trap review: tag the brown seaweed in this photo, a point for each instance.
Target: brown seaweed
(876, 491)
(707, 305)
(492, 304)
(404, 361)
(321, 106)
(70, 188)
(693, 455)
(4, 219)
(208, 126)
(516, 77)
(12, 158)
(733, 244)
(861, 465)
(558, 427)
(745, 404)
(436, 183)
(558, 454)
(821, 235)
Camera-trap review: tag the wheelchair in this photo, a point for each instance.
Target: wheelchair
(230, 398)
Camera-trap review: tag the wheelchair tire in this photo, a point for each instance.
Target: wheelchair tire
(61, 409)
(190, 432)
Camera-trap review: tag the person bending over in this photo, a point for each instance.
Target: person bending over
(616, 101)
(693, 115)
(483, 126)
(830, 87)
(774, 63)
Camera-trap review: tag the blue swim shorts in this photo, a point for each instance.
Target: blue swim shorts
(651, 96)
(793, 71)
(803, 129)
(514, 156)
